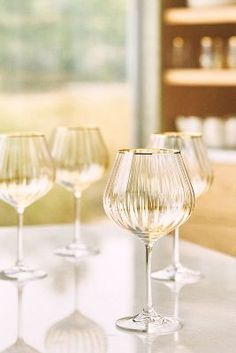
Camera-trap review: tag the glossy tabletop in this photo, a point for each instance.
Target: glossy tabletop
(74, 309)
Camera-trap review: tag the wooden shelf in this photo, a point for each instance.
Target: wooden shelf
(197, 16)
(200, 77)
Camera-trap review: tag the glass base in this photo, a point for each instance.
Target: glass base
(21, 274)
(20, 346)
(149, 323)
(76, 251)
(177, 273)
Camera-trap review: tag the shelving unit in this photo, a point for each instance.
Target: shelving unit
(196, 91)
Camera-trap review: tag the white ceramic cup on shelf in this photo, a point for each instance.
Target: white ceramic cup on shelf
(213, 132)
(230, 132)
(181, 123)
(189, 124)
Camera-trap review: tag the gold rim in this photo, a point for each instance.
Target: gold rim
(179, 134)
(75, 128)
(23, 134)
(149, 151)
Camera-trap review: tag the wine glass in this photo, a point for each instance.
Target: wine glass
(149, 194)
(199, 169)
(26, 174)
(81, 159)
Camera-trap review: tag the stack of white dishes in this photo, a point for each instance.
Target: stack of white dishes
(217, 132)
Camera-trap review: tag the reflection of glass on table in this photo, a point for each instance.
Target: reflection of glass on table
(20, 346)
(76, 333)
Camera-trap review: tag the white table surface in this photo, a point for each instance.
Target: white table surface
(110, 286)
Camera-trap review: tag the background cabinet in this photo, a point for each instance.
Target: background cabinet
(200, 92)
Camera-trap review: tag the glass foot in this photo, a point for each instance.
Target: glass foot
(20, 346)
(149, 323)
(22, 274)
(76, 251)
(177, 273)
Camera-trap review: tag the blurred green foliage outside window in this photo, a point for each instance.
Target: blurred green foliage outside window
(46, 43)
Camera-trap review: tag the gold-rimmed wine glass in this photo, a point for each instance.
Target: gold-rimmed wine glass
(81, 159)
(199, 169)
(148, 194)
(26, 174)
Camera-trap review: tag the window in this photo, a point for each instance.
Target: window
(49, 43)
(64, 63)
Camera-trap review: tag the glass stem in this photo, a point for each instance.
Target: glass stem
(176, 305)
(176, 312)
(19, 261)
(176, 260)
(148, 348)
(76, 289)
(77, 230)
(19, 312)
(148, 307)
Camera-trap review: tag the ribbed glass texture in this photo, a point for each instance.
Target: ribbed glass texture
(194, 154)
(149, 192)
(80, 157)
(74, 334)
(26, 168)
